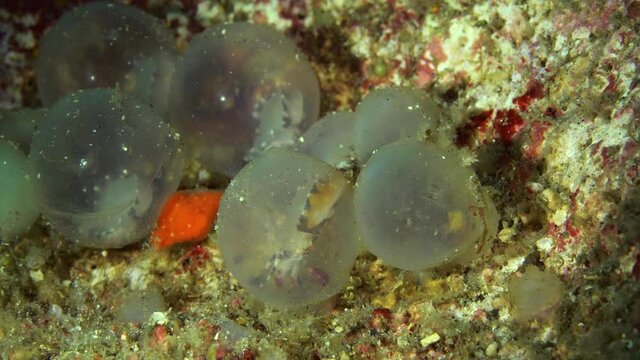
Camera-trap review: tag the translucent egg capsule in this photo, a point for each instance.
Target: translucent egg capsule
(107, 44)
(18, 209)
(286, 229)
(104, 164)
(390, 114)
(18, 126)
(416, 206)
(548, 290)
(330, 139)
(241, 89)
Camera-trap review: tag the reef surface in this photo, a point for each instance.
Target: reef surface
(544, 99)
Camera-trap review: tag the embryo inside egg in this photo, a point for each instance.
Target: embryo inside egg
(104, 164)
(286, 229)
(103, 45)
(241, 89)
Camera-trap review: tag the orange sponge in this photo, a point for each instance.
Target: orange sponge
(186, 216)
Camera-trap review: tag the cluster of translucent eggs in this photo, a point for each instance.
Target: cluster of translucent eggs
(105, 161)
(285, 223)
(105, 157)
(102, 160)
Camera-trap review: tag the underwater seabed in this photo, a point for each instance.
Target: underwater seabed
(539, 104)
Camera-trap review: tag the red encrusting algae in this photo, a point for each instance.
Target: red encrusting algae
(534, 91)
(186, 216)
